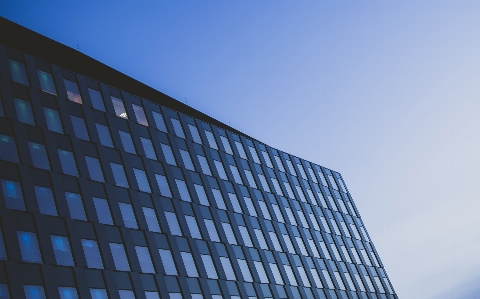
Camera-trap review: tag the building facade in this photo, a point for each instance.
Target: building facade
(110, 189)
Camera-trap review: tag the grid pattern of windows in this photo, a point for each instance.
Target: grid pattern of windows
(179, 208)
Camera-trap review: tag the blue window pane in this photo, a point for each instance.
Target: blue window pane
(104, 135)
(142, 180)
(75, 206)
(8, 150)
(4, 292)
(187, 161)
(163, 185)
(126, 294)
(13, 195)
(103, 211)
(92, 254)
(148, 148)
(46, 82)
(168, 263)
(145, 260)
(24, 112)
(173, 224)
(79, 128)
(182, 189)
(61, 248)
(152, 220)
(119, 108)
(150, 295)
(3, 254)
(128, 215)
(53, 120)
(159, 122)
(1, 108)
(195, 135)
(34, 292)
(29, 247)
(168, 154)
(45, 200)
(19, 74)
(119, 175)
(189, 264)
(72, 91)
(119, 257)
(68, 162)
(177, 127)
(39, 155)
(96, 98)
(94, 169)
(68, 293)
(98, 294)
(140, 115)
(127, 142)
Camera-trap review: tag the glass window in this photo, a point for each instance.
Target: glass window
(151, 295)
(3, 254)
(24, 112)
(182, 189)
(245, 236)
(217, 195)
(119, 108)
(236, 175)
(103, 211)
(75, 206)
(79, 128)
(276, 273)
(92, 254)
(140, 115)
(53, 120)
(12, 193)
(119, 257)
(19, 74)
(168, 263)
(193, 227)
(251, 180)
(163, 185)
(61, 249)
(247, 276)
(34, 292)
(167, 152)
(202, 197)
(68, 162)
(177, 127)
(260, 238)
(211, 139)
(8, 150)
(189, 264)
(359, 282)
(104, 135)
(187, 161)
(46, 82)
(152, 220)
(142, 180)
(195, 135)
(29, 247)
(240, 149)
(173, 224)
(227, 267)
(98, 294)
(209, 266)
(126, 294)
(235, 204)
(45, 200)
(1, 108)
(148, 148)
(4, 292)
(127, 142)
(212, 231)
(145, 260)
(39, 155)
(119, 175)
(94, 169)
(68, 293)
(220, 169)
(229, 233)
(128, 215)
(96, 98)
(159, 122)
(250, 206)
(226, 145)
(72, 91)
(254, 154)
(267, 159)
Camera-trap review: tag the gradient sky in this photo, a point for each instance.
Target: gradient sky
(385, 92)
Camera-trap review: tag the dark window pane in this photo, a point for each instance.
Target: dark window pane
(92, 254)
(24, 112)
(79, 128)
(119, 108)
(13, 195)
(96, 98)
(72, 91)
(119, 257)
(3, 254)
(46, 82)
(61, 248)
(53, 120)
(29, 247)
(119, 175)
(67, 293)
(128, 215)
(94, 169)
(39, 155)
(4, 292)
(34, 292)
(75, 206)
(103, 211)
(1, 108)
(140, 115)
(68, 162)
(148, 148)
(19, 74)
(98, 294)
(159, 122)
(126, 294)
(8, 150)
(104, 135)
(127, 142)
(45, 200)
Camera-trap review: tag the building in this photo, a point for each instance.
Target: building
(111, 189)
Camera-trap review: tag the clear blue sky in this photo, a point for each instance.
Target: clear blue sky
(385, 92)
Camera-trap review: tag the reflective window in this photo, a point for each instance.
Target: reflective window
(75, 206)
(209, 266)
(173, 223)
(276, 273)
(359, 282)
(79, 128)
(229, 233)
(151, 295)
(211, 229)
(328, 279)
(148, 148)
(1, 108)
(217, 195)
(46, 82)
(187, 161)
(45, 200)
(240, 149)
(250, 179)
(68, 293)
(61, 249)
(34, 292)
(127, 214)
(261, 272)
(163, 185)
(94, 169)
(3, 255)
(193, 227)
(204, 165)
(104, 135)
(119, 175)
(4, 292)
(235, 204)
(226, 145)
(145, 260)
(168, 263)
(98, 294)
(220, 169)
(247, 276)
(227, 267)
(119, 257)
(127, 142)
(177, 127)
(39, 155)
(19, 74)
(103, 211)
(53, 120)
(279, 163)
(126, 294)
(195, 135)
(236, 175)
(68, 162)
(24, 112)
(245, 236)
(182, 189)
(159, 122)
(211, 139)
(119, 107)
(253, 152)
(140, 115)
(29, 247)
(290, 275)
(260, 238)
(72, 91)
(12, 193)
(97, 100)
(142, 180)
(167, 152)
(202, 197)
(92, 254)
(267, 159)
(189, 264)
(8, 150)
(151, 218)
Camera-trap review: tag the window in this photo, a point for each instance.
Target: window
(103, 211)
(193, 227)
(140, 115)
(163, 185)
(127, 214)
(217, 195)
(126, 294)
(72, 91)
(46, 203)
(4, 292)
(151, 295)
(159, 122)
(53, 120)
(211, 139)
(195, 135)
(234, 201)
(68, 162)
(253, 152)
(187, 161)
(168, 263)
(8, 150)
(245, 236)
(167, 152)
(229, 233)
(127, 142)
(33, 292)
(182, 189)
(261, 272)
(19, 74)
(1, 108)
(61, 249)
(220, 169)
(173, 224)
(152, 220)
(148, 148)
(68, 293)
(98, 294)
(3, 255)
(29, 247)
(276, 273)
(119, 108)
(94, 169)
(240, 149)
(177, 127)
(209, 266)
(12, 193)
(267, 159)
(92, 254)
(142, 180)
(119, 175)
(212, 231)
(75, 206)
(227, 267)
(96, 98)
(119, 257)
(250, 179)
(79, 128)
(104, 135)
(189, 264)
(24, 112)
(204, 165)
(202, 197)
(226, 145)
(39, 155)
(46, 82)
(236, 175)
(145, 260)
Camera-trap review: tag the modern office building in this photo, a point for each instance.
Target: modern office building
(111, 189)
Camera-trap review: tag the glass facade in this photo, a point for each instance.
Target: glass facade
(105, 194)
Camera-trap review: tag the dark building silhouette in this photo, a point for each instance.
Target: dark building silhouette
(111, 189)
